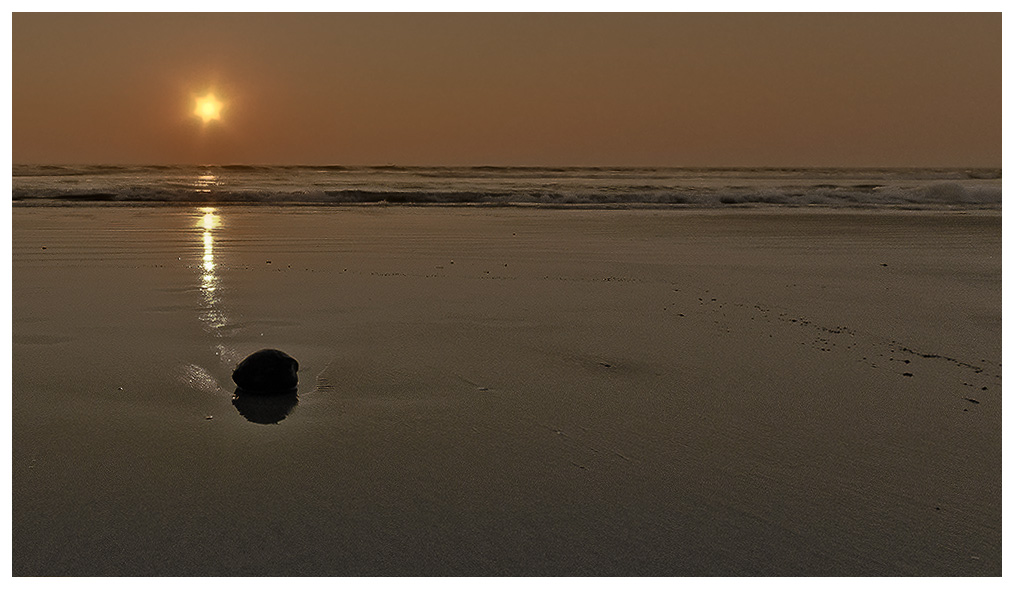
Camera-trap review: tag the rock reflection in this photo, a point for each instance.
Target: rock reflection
(264, 408)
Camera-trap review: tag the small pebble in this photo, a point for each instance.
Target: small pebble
(208, 417)
(907, 374)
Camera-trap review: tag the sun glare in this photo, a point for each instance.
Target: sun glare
(208, 108)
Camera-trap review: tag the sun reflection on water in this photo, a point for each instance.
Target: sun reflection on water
(211, 313)
(205, 183)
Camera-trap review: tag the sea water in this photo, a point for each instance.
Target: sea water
(598, 186)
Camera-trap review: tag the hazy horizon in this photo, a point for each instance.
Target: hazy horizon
(558, 90)
(479, 166)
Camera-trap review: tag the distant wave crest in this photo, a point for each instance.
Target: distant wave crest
(614, 187)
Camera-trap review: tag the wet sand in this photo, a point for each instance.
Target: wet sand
(496, 391)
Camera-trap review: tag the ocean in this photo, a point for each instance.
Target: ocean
(976, 188)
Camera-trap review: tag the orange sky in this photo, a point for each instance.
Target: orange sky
(535, 89)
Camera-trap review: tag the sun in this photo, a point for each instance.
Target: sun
(208, 108)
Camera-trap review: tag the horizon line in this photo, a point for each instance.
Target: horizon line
(534, 166)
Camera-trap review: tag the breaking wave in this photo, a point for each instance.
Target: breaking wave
(604, 186)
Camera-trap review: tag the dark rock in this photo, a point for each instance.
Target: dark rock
(267, 371)
(971, 400)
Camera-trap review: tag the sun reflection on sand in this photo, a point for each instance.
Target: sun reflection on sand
(260, 409)
(211, 313)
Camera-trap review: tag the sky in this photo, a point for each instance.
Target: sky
(509, 89)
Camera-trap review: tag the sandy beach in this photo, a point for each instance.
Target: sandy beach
(508, 391)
